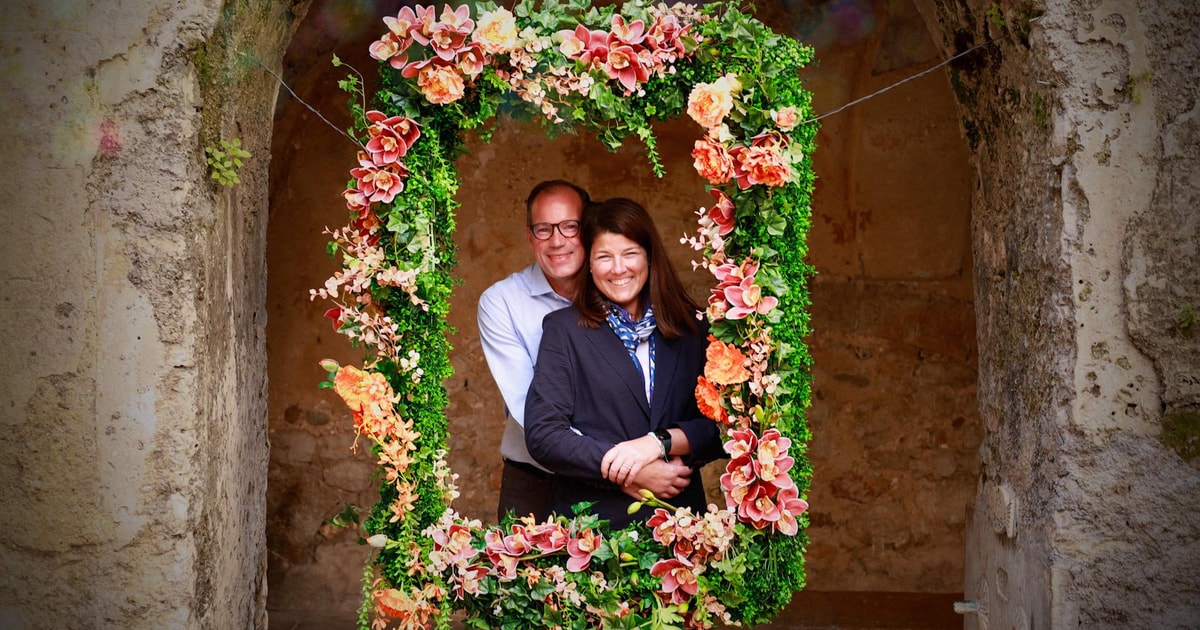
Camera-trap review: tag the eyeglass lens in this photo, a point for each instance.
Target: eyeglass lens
(543, 231)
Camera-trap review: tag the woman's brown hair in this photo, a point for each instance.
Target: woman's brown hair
(674, 310)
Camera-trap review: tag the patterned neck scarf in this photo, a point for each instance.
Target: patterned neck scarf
(632, 334)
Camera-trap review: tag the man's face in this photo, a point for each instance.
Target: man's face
(559, 257)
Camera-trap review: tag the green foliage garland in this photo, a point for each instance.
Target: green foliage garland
(612, 72)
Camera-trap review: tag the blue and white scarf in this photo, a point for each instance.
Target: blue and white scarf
(634, 333)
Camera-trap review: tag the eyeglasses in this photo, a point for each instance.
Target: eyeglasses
(543, 231)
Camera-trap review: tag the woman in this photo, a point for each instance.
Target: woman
(612, 407)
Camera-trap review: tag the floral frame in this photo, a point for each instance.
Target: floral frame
(611, 71)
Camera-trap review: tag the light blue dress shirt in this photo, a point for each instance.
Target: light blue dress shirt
(510, 330)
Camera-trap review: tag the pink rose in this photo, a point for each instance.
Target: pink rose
(785, 118)
(440, 84)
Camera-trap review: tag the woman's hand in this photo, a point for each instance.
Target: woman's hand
(623, 462)
(665, 479)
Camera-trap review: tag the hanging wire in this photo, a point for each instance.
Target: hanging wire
(900, 82)
(302, 101)
(810, 120)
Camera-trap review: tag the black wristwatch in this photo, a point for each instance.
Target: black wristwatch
(664, 436)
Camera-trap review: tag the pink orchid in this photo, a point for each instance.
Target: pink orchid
(470, 60)
(623, 64)
(581, 549)
(631, 34)
(379, 184)
(721, 214)
(758, 508)
(737, 481)
(356, 201)
(391, 49)
(590, 47)
(413, 69)
(742, 443)
(791, 506)
(773, 462)
(666, 36)
(447, 36)
(738, 171)
(471, 580)
(403, 25)
(424, 19)
(662, 525)
(501, 555)
(548, 537)
(518, 543)
(678, 581)
(391, 137)
(684, 548)
(746, 298)
(456, 541)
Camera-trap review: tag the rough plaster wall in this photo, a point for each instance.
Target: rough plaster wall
(1083, 133)
(895, 419)
(133, 451)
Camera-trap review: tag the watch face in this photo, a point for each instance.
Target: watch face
(665, 436)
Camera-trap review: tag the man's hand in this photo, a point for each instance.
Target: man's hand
(623, 462)
(665, 479)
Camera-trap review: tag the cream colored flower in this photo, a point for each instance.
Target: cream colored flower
(496, 31)
(710, 103)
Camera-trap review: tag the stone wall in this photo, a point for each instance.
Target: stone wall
(895, 419)
(133, 451)
(1081, 117)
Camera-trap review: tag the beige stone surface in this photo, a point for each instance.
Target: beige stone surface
(1084, 235)
(134, 454)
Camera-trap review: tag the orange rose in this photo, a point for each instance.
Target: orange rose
(708, 399)
(440, 84)
(710, 103)
(765, 165)
(712, 161)
(725, 364)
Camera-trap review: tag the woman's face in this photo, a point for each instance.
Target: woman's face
(620, 269)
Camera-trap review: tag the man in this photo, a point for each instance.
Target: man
(510, 329)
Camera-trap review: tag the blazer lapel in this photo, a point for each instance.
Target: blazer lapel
(666, 361)
(609, 347)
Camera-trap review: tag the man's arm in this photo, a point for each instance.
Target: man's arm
(508, 360)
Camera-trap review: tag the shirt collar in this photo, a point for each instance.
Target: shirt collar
(539, 285)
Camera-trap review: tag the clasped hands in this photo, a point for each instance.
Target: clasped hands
(638, 463)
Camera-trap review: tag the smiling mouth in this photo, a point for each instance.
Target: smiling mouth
(620, 283)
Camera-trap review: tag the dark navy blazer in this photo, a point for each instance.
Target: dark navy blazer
(585, 379)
